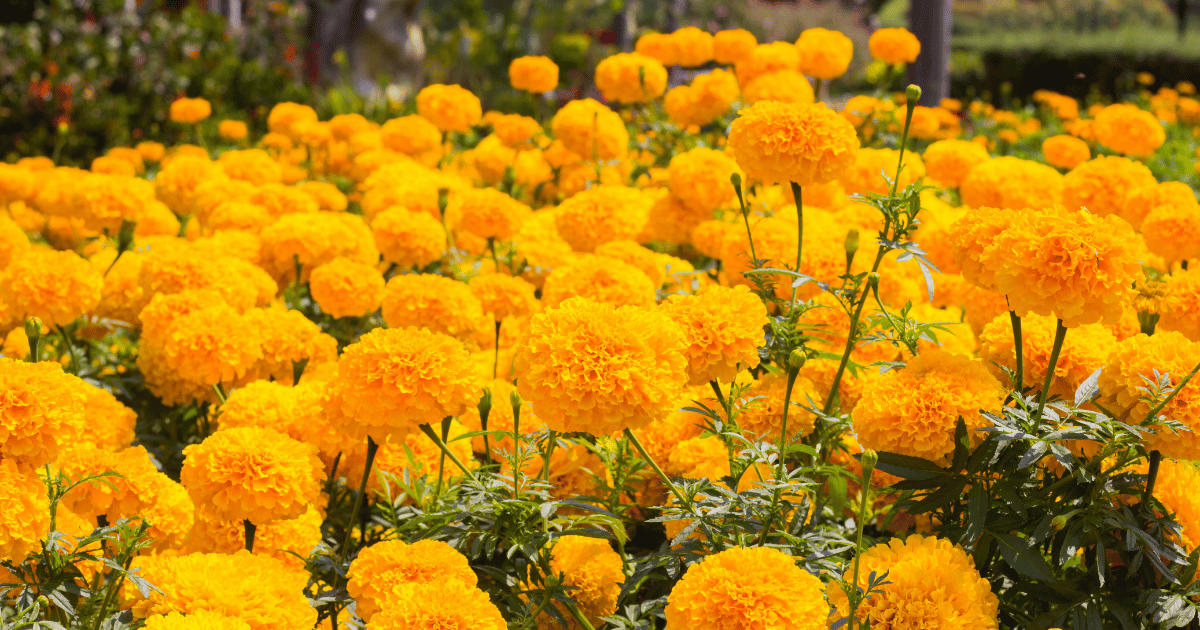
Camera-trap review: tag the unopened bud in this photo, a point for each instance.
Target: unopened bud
(42, 601)
(485, 407)
(443, 199)
(515, 400)
(63, 128)
(125, 236)
(796, 359)
(851, 242)
(34, 327)
(913, 93)
(869, 458)
(873, 279)
(1059, 522)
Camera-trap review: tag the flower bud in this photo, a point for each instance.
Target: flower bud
(852, 243)
(125, 236)
(873, 279)
(913, 94)
(796, 360)
(868, 459)
(1059, 522)
(34, 327)
(515, 400)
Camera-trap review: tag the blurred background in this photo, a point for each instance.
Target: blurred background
(107, 70)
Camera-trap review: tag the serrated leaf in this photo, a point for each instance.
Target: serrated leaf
(1032, 455)
(837, 493)
(1089, 388)
(1028, 562)
(977, 508)
(908, 467)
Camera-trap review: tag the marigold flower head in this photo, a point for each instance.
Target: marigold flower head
(700, 178)
(660, 46)
(1179, 307)
(232, 130)
(826, 53)
(313, 240)
(210, 346)
(416, 607)
(434, 302)
(913, 411)
(380, 568)
(409, 239)
(109, 165)
(534, 74)
(1129, 129)
(251, 165)
(252, 473)
(784, 86)
(601, 214)
(260, 590)
(894, 46)
(287, 338)
(1101, 185)
(763, 416)
(284, 116)
(108, 423)
(723, 329)
(781, 142)
(930, 582)
(327, 196)
(1010, 182)
(1173, 232)
(949, 161)
(593, 570)
(41, 409)
(25, 519)
(591, 130)
(282, 539)
(1065, 151)
(57, 287)
(198, 620)
(596, 368)
(175, 184)
(741, 588)
(765, 58)
(449, 107)
(600, 279)
(504, 296)
(867, 172)
(346, 288)
(394, 379)
(670, 220)
(711, 96)
(411, 135)
(730, 46)
(630, 78)
(486, 213)
(1084, 350)
(1140, 201)
(1123, 384)
(694, 46)
(190, 111)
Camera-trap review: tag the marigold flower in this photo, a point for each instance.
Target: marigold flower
(380, 568)
(765, 58)
(346, 288)
(394, 379)
(411, 135)
(278, 539)
(486, 213)
(781, 142)
(251, 165)
(670, 220)
(1010, 182)
(913, 411)
(630, 78)
(252, 473)
(1101, 185)
(763, 416)
(113, 166)
(1176, 487)
(449, 107)
(327, 196)
(25, 519)
(660, 46)
(1140, 201)
(210, 346)
(930, 580)
(514, 130)
(416, 607)
(826, 53)
(288, 337)
(593, 570)
(108, 423)
(534, 74)
(232, 130)
(600, 279)
(57, 287)
(592, 367)
(711, 96)
(785, 86)
(313, 240)
(894, 45)
(730, 46)
(190, 110)
(41, 409)
(504, 296)
(694, 46)
(177, 181)
(591, 130)
(1129, 129)
(284, 116)
(1065, 151)
(1123, 384)
(260, 590)
(741, 587)
(723, 329)
(867, 172)
(1179, 308)
(700, 178)
(198, 620)
(1083, 352)
(949, 161)
(601, 214)
(433, 302)
(1173, 232)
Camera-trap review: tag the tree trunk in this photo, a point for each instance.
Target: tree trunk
(930, 21)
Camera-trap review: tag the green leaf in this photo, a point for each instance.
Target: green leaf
(977, 508)
(962, 444)
(1026, 561)
(939, 498)
(837, 494)
(908, 467)
(1089, 388)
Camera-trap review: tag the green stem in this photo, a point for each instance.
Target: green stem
(799, 222)
(782, 469)
(551, 441)
(1159, 407)
(1019, 345)
(219, 392)
(653, 464)
(579, 616)
(908, 115)
(372, 447)
(66, 339)
(851, 337)
(496, 357)
(427, 430)
(1152, 476)
(442, 458)
(858, 536)
(250, 528)
(1060, 334)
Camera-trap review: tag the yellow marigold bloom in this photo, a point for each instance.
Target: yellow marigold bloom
(785, 86)
(177, 181)
(13, 241)
(284, 116)
(251, 165)
(394, 379)
(781, 142)
(380, 568)
(238, 215)
(233, 130)
(1010, 182)
(765, 58)
(198, 620)
(346, 288)
(409, 239)
(108, 423)
(41, 408)
(826, 53)
(949, 161)
(711, 96)
(601, 214)
(591, 130)
(150, 151)
(513, 129)
(1065, 152)
(449, 107)
(56, 286)
(600, 279)
(630, 78)
(113, 166)
(534, 74)
(1140, 201)
(252, 473)
(1101, 185)
(190, 110)
(1129, 129)
(723, 329)
(434, 302)
(1122, 384)
(263, 592)
(279, 539)
(694, 46)
(1180, 305)
(672, 221)
(118, 497)
(315, 239)
(730, 46)
(25, 519)
(700, 178)
(931, 582)
(764, 417)
(894, 45)
(417, 607)
(660, 46)
(913, 411)
(210, 346)
(504, 296)
(867, 172)
(593, 570)
(288, 337)
(486, 213)
(1176, 488)
(1173, 232)
(412, 135)
(327, 196)
(1085, 350)
(629, 376)
(1074, 265)
(742, 588)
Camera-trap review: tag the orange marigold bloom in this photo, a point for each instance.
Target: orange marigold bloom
(108, 423)
(13, 241)
(765, 58)
(630, 78)
(1101, 185)
(411, 135)
(1123, 384)
(867, 172)
(198, 620)
(950, 161)
(210, 346)
(486, 213)
(449, 107)
(913, 411)
(392, 380)
(25, 519)
(190, 110)
(781, 142)
(252, 473)
(1140, 201)
(284, 116)
(826, 53)
(287, 338)
(175, 184)
(504, 296)
(894, 45)
(742, 588)
(251, 165)
(601, 279)
(931, 581)
(593, 570)
(58, 287)
(346, 288)
(672, 221)
(514, 130)
(588, 128)
(764, 417)
(1129, 129)
(232, 130)
(730, 46)
(723, 329)
(1065, 152)
(695, 47)
(409, 239)
(283, 539)
(313, 240)
(380, 568)
(592, 367)
(434, 302)
(1179, 308)
(41, 409)
(1083, 352)
(533, 74)
(1173, 232)
(602, 214)
(417, 607)
(1010, 182)
(700, 178)
(785, 86)
(660, 46)
(327, 196)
